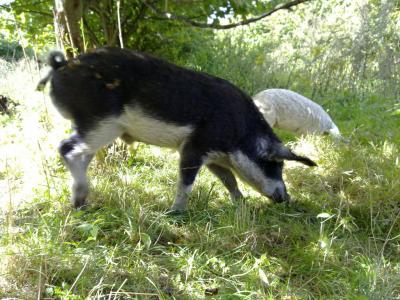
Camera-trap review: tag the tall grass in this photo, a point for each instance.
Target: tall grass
(339, 240)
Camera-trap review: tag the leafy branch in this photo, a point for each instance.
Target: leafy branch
(170, 16)
(32, 11)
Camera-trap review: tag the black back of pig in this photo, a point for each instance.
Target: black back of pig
(114, 93)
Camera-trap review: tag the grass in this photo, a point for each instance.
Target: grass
(340, 240)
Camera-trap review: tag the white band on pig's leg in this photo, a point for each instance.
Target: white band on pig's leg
(78, 151)
(78, 167)
(182, 195)
(77, 158)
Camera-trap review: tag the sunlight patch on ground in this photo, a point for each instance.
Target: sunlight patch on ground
(305, 146)
(30, 141)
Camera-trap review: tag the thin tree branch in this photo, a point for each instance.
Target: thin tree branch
(169, 16)
(20, 6)
(121, 40)
(38, 12)
(92, 35)
(30, 11)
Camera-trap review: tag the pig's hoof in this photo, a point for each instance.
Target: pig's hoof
(175, 212)
(79, 203)
(177, 209)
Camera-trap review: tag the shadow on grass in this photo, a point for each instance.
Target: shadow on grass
(125, 237)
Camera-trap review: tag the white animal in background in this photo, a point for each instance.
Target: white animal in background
(293, 112)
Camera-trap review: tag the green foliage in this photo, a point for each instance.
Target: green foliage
(28, 23)
(143, 28)
(339, 240)
(10, 50)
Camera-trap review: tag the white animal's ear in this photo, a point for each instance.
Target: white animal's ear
(280, 152)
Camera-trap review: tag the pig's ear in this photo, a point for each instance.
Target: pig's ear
(279, 153)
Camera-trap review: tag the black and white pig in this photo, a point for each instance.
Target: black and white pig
(113, 93)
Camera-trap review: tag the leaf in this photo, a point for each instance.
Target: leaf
(49, 291)
(94, 232)
(89, 230)
(263, 277)
(324, 216)
(85, 228)
(396, 112)
(145, 240)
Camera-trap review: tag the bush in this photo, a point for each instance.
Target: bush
(11, 51)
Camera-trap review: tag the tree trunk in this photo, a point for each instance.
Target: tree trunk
(59, 24)
(67, 15)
